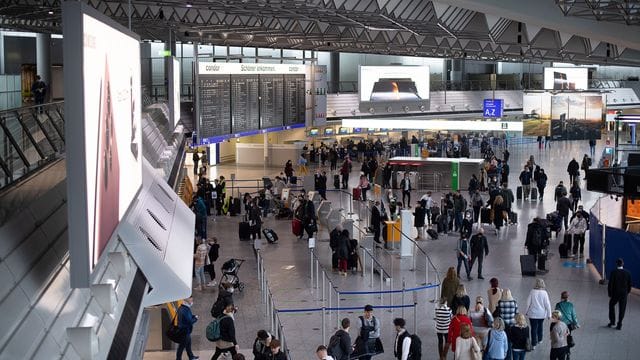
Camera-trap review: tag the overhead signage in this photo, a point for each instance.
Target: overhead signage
(492, 108)
(452, 125)
(212, 68)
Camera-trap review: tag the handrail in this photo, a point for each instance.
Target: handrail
(30, 107)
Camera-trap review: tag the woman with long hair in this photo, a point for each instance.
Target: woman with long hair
(538, 308)
(494, 293)
(461, 298)
(449, 285)
(457, 322)
(518, 335)
(467, 347)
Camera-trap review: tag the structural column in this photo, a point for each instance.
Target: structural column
(43, 60)
(334, 62)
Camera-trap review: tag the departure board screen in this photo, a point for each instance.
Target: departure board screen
(215, 105)
(245, 109)
(271, 103)
(294, 99)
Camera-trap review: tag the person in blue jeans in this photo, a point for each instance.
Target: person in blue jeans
(464, 255)
(538, 309)
(186, 319)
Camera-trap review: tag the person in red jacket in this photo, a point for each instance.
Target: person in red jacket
(460, 318)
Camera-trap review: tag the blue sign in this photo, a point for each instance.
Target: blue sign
(492, 108)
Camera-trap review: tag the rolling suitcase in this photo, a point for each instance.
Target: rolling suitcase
(336, 181)
(563, 250)
(296, 227)
(513, 217)
(534, 194)
(528, 265)
(270, 235)
(356, 193)
(244, 230)
(432, 234)
(519, 193)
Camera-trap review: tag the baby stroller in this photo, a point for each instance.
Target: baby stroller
(230, 273)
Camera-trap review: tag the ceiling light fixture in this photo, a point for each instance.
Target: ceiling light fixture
(50, 12)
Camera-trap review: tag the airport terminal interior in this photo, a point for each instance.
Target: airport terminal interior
(233, 179)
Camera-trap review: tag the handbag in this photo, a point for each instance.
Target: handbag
(174, 332)
(570, 341)
(475, 355)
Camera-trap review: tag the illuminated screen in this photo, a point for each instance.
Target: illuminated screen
(394, 88)
(566, 78)
(357, 130)
(104, 155)
(313, 132)
(343, 131)
(328, 131)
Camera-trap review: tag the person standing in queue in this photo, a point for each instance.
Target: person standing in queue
(369, 331)
(405, 185)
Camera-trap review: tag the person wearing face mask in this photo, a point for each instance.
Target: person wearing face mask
(227, 342)
(186, 319)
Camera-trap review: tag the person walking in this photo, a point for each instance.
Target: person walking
(443, 320)
(467, 347)
(386, 176)
(402, 343)
(577, 229)
(322, 354)
(494, 294)
(369, 332)
(227, 342)
(569, 316)
(518, 336)
(541, 183)
(461, 298)
(426, 201)
(586, 163)
(255, 219)
(574, 171)
(481, 318)
(507, 308)
(459, 206)
(479, 249)
(214, 253)
(559, 332)
(405, 185)
(563, 207)
(39, 90)
(507, 196)
(476, 203)
(463, 257)
(364, 185)
(450, 285)
(261, 350)
(592, 147)
(186, 319)
(196, 159)
(276, 351)
(201, 259)
(618, 289)
(496, 344)
(460, 319)
(345, 170)
(576, 196)
(418, 220)
(525, 180)
(538, 308)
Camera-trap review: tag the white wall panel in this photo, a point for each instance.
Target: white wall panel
(20, 260)
(26, 338)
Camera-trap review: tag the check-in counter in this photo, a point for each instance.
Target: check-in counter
(437, 172)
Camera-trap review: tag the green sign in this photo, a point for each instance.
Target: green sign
(455, 175)
(415, 150)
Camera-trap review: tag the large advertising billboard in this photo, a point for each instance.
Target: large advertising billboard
(103, 132)
(174, 90)
(393, 88)
(565, 116)
(556, 78)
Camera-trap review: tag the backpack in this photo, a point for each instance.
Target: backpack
(213, 329)
(536, 237)
(334, 350)
(415, 350)
(217, 308)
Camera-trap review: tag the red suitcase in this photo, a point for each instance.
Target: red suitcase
(296, 227)
(356, 193)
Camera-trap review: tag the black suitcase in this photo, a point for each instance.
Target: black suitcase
(244, 230)
(513, 217)
(432, 234)
(534, 194)
(519, 193)
(270, 235)
(542, 259)
(236, 207)
(336, 181)
(563, 250)
(528, 265)
(485, 216)
(443, 224)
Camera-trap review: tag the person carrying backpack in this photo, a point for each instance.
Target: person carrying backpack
(226, 338)
(369, 332)
(406, 346)
(340, 343)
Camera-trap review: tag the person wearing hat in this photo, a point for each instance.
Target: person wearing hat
(369, 331)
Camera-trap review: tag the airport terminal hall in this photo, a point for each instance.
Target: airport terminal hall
(320, 179)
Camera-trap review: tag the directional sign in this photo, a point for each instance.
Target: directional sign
(492, 108)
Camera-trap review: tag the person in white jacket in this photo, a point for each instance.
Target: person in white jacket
(577, 228)
(538, 308)
(467, 347)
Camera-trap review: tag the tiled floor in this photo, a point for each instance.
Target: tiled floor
(287, 265)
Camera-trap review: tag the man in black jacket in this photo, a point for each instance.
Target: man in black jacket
(619, 288)
(227, 342)
(386, 176)
(375, 221)
(334, 239)
(563, 206)
(574, 171)
(479, 249)
(342, 350)
(405, 186)
(536, 239)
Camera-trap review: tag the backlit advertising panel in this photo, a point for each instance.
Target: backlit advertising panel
(393, 88)
(103, 132)
(557, 78)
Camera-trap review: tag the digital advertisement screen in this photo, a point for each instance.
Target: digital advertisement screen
(556, 78)
(394, 87)
(343, 131)
(357, 130)
(536, 109)
(104, 155)
(313, 132)
(329, 131)
(176, 90)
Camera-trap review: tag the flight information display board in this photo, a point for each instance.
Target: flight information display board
(271, 104)
(215, 105)
(245, 106)
(294, 99)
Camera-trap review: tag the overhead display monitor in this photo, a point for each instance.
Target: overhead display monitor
(314, 132)
(343, 131)
(102, 113)
(329, 132)
(393, 89)
(570, 78)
